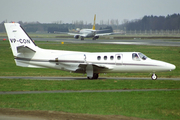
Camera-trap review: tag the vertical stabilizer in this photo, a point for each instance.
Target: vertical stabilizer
(18, 38)
(94, 22)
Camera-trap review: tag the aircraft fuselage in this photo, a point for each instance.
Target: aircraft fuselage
(104, 62)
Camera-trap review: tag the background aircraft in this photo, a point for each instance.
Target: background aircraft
(89, 33)
(27, 54)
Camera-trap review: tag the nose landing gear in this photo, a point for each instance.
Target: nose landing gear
(154, 76)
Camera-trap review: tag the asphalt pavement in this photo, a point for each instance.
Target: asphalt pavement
(154, 42)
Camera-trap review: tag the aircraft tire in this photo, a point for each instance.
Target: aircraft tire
(95, 76)
(154, 77)
(89, 78)
(82, 38)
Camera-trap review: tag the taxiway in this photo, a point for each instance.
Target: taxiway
(154, 42)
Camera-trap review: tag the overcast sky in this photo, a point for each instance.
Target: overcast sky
(48, 11)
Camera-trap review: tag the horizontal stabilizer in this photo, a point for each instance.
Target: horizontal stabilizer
(25, 49)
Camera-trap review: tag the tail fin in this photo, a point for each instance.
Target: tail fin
(19, 40)
(94, 22)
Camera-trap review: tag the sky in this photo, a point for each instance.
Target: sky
(66, 11)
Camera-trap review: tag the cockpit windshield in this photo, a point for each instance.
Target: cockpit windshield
(142, 56)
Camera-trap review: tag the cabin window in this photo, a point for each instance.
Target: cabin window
(135, 57)
(105, 57)
(118, 57)
(112, 57)
(99, 57)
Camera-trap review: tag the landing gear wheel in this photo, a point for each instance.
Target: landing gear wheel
(154, 77)
(89, 78)
(82, 38)
(95, 76)
(94, 39)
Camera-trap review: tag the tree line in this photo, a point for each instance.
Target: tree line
(55, 27)
(169, 22)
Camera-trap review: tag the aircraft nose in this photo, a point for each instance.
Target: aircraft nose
(171, 66)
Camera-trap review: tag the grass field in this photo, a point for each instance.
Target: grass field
(153, 104)
(39, 85)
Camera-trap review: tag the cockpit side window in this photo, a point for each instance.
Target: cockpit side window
(135, 57)
(142, 56)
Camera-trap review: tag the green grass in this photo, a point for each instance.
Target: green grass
(39, 85)
(152, 105)
(167, 54)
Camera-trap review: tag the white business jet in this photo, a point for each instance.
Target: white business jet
(27, 54)
(89, 33)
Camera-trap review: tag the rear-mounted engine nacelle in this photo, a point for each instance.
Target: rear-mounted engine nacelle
(76, 36)
(96, 37)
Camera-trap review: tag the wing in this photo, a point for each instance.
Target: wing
(102, 34)
(96, 68)
(75, 34)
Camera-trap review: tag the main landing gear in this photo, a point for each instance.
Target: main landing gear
(154, 76)
(93, 38)
(82, 38)
(95, 76)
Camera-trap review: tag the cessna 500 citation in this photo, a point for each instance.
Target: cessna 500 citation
(27, 54)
